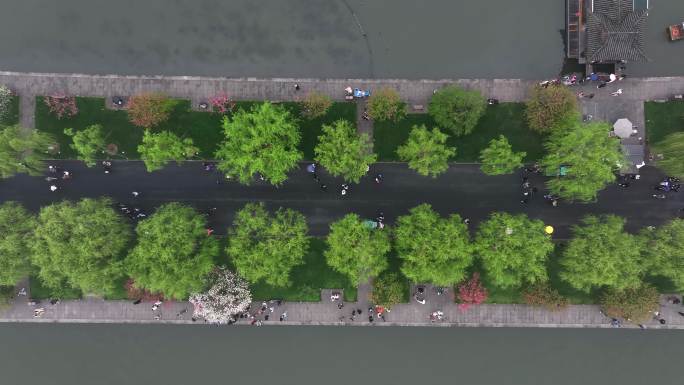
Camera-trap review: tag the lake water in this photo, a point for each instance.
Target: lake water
(135, 354)
(307, 38)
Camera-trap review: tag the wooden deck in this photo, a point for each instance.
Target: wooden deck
(574, 28)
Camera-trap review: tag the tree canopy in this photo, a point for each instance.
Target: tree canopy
(434, 249)
(672, 150)
(498, 158)
(344, 152)
(174, 252)
(514, 249)
(665, 251)
(87, 143)
(157, 149)
(356, 250)
(16, 236)
(22, 151)
(426, 151)
(82, 245)
(456, 109)
(589, 156)
(385, 104)
(228, 296)
(262, 140)
(551, 108)
(266, 247)
(602, 254)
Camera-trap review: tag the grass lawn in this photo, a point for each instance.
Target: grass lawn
(204, 128)
(505, 118)
(663, 119)
(12, 115)
(308, 280)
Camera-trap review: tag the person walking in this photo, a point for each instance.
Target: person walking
(53, 188)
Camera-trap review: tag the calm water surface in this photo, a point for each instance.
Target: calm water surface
(133, 354)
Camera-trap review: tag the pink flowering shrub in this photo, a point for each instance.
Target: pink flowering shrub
(471, 292)
(61, 105)
(221, 103)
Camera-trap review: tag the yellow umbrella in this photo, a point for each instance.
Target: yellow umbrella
(548, 230)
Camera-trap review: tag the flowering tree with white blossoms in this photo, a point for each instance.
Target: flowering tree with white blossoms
(228, 296)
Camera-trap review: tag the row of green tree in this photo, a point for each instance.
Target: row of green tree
(89, 246)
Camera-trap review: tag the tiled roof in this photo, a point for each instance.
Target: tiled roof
(614, 32)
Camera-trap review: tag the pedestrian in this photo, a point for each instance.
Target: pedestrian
(137, 301)
(135, 194)
(296, 87)
(53, 188)
(590, 96)
(66, 175)
(343, 191)
(340, 305)
(662, 321)
(622, 77)
(616, 93)
(370, 318)
(52, 169)
(580, 94)
(680, 313)
(378, 178)
(311, 168)
(324, 187)
(358, 311)
(601, 85)
(466, 221)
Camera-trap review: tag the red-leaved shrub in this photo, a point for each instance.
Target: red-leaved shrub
(61, 105)
(471, 292)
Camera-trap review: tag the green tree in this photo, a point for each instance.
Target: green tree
(157, 149)
(433, 249)
(426, 151)
(389, 289)
(263, 140)
(602, 254)
(87, 143)
(16, 235)
(672, 150)
(344, 152)
(267, 247)
(633, 304)
(315, 105)
(385, 104)
(664, 251)
(174, 253)
(498, 158)
(81, 245)
(590, 157)
(456, 109)
(22, 151)
(514, 249)
(356, 250)
(551, 108)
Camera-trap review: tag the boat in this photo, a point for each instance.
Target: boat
(676, 31)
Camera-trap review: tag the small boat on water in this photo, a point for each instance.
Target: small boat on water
(676, 31)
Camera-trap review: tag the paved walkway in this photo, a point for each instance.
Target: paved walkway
(327, 312)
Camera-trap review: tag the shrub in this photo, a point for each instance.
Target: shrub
(544, 295)
(148, 110)
(5, 100)
(315, 105)
(456, 109)
(634, 305)
(471, 292)
(388, 290)
(61, 105)
(221, 103)
(385, 104)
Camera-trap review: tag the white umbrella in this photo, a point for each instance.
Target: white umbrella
(623, 128)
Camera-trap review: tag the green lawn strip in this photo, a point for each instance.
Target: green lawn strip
(12, 115)
(308, 280)
(506, 119)
(204, 128)
(663, 119)
(38, 291)
(388, 135)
